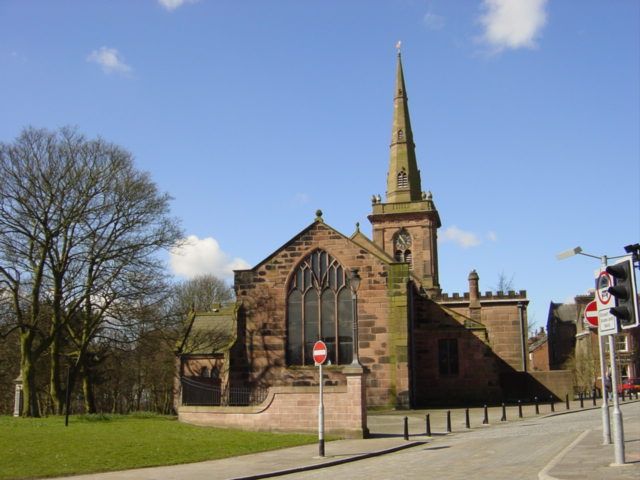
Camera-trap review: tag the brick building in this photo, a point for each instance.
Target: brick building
(415, 344)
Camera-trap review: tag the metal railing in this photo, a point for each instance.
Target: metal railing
(200, 393)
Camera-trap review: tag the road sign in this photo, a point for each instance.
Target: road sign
(319, 352)
(591, 314)
(603, 297)
(607, 323)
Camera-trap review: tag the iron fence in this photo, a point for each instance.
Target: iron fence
(200, 393)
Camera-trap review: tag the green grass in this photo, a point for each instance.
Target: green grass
(44, 447)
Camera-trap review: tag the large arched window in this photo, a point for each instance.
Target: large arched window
(319, 307)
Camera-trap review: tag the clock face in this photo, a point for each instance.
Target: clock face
(403, 240)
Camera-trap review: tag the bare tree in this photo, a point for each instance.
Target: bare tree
(505, 283)
(79, 229)
(200, 293)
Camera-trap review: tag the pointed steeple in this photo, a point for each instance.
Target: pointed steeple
(403, 178)
(405, 226)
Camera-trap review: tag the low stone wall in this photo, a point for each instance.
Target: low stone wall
(558, 382)
(293, 409)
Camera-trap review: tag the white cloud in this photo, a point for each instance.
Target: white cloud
(110, 60)
(460, 237)
(173, 4)
(198, 256)
(491, 236)
(433, 21)
(512, 24)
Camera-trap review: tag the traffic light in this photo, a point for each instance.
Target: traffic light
(625, 293)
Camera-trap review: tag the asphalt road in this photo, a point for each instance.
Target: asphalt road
(518, 450)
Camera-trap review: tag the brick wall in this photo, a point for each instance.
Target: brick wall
(293, 409)
(500, 314)
(477, 380)
(260, 357)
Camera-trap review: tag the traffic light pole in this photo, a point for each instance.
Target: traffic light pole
(618, 429)
(606, 424)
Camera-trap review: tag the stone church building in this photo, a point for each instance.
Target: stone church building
(415, 344)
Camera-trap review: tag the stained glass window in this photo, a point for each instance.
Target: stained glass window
(319, 307)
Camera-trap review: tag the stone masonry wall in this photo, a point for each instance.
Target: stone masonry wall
(292, 409)
(500, 314)
(260, 357)
(477, 380)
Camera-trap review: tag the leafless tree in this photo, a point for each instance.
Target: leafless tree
(79, 230)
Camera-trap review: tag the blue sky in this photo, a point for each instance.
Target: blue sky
(253, 114)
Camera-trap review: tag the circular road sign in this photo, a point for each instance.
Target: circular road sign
(591, 314)
(604, 282)
(319, 352)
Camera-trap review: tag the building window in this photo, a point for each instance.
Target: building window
(319, 307)
(448, 356)
(621, 344)
(403, 181)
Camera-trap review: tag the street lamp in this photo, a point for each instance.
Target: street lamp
(618, 439)
(354, 283)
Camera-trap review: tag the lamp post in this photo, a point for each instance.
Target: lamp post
(618, 431)
(354, 283)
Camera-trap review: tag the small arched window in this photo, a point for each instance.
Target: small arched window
(403, 181)
(408, 258)
(319, 307)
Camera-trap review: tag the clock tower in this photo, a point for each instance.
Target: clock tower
(405, 225)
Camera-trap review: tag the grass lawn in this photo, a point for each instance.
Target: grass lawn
(44, 447)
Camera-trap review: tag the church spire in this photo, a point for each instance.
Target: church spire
(403, 178)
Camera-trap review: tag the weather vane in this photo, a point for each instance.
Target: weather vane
(398, 45)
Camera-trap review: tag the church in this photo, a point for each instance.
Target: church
(376, 302)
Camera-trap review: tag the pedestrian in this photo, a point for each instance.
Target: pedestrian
(607, 385)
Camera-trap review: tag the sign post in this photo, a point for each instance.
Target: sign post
(319, 357)
(608, 324)
(591, 314)
(606, 418)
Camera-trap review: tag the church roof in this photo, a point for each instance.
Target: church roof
(358, 238)
(209, 332)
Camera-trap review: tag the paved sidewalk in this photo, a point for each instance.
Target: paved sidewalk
(584, 459)
(588, 459)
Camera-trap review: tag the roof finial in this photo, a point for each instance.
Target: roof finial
(398, 45)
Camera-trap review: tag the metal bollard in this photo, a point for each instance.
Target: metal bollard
(428, 420)
(551, 403)
(504, 413)
(535, 399)
(593, 397)
(566, 399)
(581, 400)
(448, 421)
(406, 428)
(467, 422)
(519, 409)
(485, 421)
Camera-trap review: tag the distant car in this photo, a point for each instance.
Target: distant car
(630, 385)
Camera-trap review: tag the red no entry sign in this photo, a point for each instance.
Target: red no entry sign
(591, 314)
(319, 352)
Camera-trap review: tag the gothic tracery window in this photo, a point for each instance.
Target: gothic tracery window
(319, 307)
